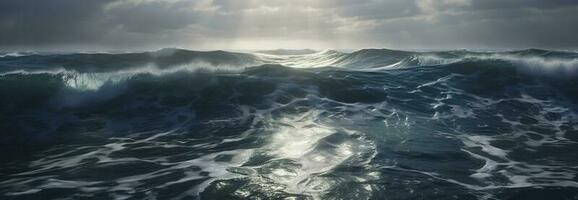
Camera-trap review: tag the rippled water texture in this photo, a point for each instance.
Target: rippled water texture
(372, 124)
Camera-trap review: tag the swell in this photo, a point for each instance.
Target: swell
(464, 121)
(46, 81)
(109, 62)
(43, 93)
(532, 60)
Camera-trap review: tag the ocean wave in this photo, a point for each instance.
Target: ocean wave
(380, 123)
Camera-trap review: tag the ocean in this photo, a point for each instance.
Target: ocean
(370, 124)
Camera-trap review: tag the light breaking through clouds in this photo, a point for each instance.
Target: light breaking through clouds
(268, 24)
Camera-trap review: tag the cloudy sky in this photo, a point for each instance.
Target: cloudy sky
(269, 24)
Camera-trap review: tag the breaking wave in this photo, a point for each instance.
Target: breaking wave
(371, 124)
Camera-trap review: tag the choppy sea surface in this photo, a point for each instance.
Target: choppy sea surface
(371, 124)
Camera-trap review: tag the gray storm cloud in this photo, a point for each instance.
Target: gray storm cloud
(265, 24)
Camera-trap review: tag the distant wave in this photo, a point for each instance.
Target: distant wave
(362, 59)
(101, 62)
(370, 124)
(287, 51)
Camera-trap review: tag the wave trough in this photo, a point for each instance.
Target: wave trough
(371, 124)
